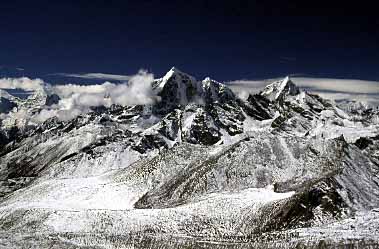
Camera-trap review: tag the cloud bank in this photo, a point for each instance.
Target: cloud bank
(23, 83)
(99, 76)
(78, 99)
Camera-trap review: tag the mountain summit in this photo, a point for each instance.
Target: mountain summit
(179, 89)
(280, 89)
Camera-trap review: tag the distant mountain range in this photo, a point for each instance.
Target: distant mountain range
(280, 169)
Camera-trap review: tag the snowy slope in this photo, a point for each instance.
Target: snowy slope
(199, 163)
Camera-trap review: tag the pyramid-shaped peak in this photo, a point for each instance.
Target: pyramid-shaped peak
(175, 71)
(280, 89)
(287, 84)
(286, 79)
(173, 75)
(176, 88)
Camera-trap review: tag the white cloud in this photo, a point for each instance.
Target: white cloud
(100, 76)
(67, 90)
(137, 91)
(22, 83)
(370, 99)
(338, 85)
(78, 99)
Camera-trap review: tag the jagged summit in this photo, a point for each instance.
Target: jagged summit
(177, 89)
(280, 89)
(174, 74)
(214, 91)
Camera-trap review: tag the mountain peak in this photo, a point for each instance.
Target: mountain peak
(174, 71)
(280, 88)
(207, 82)
(160, 83)
(177, 89)
(207, 79)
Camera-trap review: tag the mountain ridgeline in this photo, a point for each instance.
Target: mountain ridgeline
(200, 162)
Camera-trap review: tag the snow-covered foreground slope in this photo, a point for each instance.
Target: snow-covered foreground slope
(282, 168)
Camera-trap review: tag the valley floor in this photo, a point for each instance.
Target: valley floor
(360, 232)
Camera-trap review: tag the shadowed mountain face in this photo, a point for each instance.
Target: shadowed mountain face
(200, 162)
(7, 102)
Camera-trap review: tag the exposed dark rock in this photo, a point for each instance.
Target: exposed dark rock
(363, 142)
(6, 105)
(52, 99)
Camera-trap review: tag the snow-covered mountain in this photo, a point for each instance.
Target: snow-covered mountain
(283, 167)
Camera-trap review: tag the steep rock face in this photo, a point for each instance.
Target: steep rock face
(215, 92)
(177, 89)
(7, 102)
(200, 162)
(206, 107)
(258, 107)
(200, 128)
(280, 90)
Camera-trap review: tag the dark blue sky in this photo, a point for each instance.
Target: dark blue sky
(226, 40)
